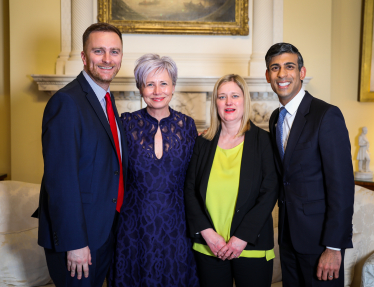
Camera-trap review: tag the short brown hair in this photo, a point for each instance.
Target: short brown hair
(100, 27)
(215, 120)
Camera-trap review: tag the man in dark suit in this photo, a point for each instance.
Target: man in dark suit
(313, 158)
(85, 163)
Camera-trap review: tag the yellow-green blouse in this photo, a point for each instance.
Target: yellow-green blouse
(221, 196)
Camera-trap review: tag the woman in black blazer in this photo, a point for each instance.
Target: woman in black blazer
(230, 191)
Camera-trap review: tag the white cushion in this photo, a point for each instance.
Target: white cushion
(367, 279)
(18, 200)
(22, 259)
(350, 259)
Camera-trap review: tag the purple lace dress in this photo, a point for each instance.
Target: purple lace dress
(152, 247)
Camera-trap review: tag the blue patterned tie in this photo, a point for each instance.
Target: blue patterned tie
(279, 132)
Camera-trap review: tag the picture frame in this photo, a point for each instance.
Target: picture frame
(196, 17)
(366, 81)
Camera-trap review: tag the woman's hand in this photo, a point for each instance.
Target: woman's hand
(213, 239)
(232, 249)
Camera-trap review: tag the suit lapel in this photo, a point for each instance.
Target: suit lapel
(272, 129)
(297, 127)
(247, 166)
(92, 99)
(208, 166)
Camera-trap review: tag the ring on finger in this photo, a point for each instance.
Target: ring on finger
(330, 276)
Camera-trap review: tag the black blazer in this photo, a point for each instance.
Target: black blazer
(316, 176)
(80, 183)
(258, 190)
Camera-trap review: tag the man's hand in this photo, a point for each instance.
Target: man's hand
(78, 259)
(329, 264)
(232, 249)
(213, 239)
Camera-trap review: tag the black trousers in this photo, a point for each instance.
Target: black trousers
(247, 272)
(101, 260)
(301, 269)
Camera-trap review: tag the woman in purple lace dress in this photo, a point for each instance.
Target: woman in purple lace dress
(152, 246)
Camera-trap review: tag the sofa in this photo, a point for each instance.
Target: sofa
(363, 241)
(23, 263)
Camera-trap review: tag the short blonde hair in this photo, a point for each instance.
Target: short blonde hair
(149, 62)
(215, 120)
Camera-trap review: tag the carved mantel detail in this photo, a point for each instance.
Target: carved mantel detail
(192, 95)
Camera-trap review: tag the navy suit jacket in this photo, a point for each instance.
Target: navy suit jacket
(316, 176)
(81, 170)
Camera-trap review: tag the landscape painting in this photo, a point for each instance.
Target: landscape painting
(226, 17)
(366, 87)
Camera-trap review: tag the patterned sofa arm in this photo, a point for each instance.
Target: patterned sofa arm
(367, 278)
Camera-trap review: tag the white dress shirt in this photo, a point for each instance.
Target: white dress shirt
(292, 107)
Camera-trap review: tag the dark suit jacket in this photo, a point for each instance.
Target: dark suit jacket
(80, 183)
(317, 185)
(258, 190)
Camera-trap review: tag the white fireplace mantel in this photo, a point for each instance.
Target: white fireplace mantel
(192, 96)
(52, 83)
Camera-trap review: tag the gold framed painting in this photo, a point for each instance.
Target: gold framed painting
(366, 92)
(198, 17)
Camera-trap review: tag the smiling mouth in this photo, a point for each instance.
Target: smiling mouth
(106, 68)
(158, 99)
(284, 84)
(229, 110)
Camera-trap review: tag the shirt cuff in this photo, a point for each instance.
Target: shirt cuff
(332, 248)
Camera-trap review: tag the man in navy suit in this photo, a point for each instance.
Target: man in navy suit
(85, 163)
(313, 158)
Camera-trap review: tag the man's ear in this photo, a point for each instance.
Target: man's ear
(83, 56)
(302, 73)
(267, 75)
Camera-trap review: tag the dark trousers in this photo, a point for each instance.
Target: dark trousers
(101, 259)
(247, 272)
(301, 269)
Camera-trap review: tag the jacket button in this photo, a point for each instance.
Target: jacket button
(114, 200)
(237, 210)
(258, 235)
(116, 172)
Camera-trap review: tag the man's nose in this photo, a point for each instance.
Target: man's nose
(282, 73)
(106, 57)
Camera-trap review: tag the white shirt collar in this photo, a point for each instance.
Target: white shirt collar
(294, 104)
(99, 91)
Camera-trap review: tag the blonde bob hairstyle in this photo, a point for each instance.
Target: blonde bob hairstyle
(215, 120)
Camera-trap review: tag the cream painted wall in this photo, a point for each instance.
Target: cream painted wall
(307, 25)
(346, 31)
(326, 33)
(34, 47)
(4, 89)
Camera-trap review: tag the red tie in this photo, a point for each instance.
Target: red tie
(113, 128)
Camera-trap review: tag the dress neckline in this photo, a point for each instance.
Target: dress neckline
(149, 117)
